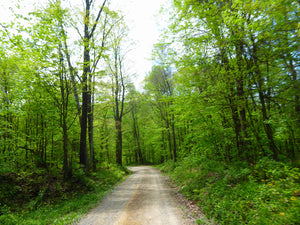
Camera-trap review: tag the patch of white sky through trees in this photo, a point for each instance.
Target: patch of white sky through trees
(141, 16)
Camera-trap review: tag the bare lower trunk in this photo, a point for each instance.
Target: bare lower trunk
(260, 83)
(91, 125)
(91, 138)
(137, 137)
(174, 140)
(119, 142)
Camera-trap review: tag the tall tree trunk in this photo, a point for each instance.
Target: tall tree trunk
(86, 81)
(137, 137)
(174, 139)
(260, 81)
(64, 113)
(118, 124)
(85, 93)
(169, 137)
(118, 91)
(72, 70)
(295, 141)
(232, 103)
(236, 122)
(255, 131)
(241, 99)
(267, 126)
(296, 87)
(91, 132)
(65, 147)
(162, 158)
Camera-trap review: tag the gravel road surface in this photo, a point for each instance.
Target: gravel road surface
(143, 198)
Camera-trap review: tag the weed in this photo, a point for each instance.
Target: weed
(62, 203)
(265, 193)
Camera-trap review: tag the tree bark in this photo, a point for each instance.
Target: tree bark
(86, 82)
(259, 82)
(137, 137)
(174, 139)
(91, 130)
(118, 124)
(241, 100)
(85, 93)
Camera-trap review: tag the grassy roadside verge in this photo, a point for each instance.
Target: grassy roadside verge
(265, 193)
(70, 202)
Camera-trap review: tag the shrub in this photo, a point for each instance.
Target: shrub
(265, 193)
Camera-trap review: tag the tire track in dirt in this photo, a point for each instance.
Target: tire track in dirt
(143, 199)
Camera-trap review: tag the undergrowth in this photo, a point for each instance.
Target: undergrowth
(39, 198)
(265, 193)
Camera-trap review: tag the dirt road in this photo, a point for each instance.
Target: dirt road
(144, 198)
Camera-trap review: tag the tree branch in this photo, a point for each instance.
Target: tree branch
(97, 19)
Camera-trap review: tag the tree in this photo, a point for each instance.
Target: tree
(86, 110)
(116, 70)
(50, 30)
(134, 103)
(161, 85)
(230, 59)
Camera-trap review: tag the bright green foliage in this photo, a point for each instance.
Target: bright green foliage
(61, 203)
(222, 99)
(40, 109)
(265, 193)
(236, 82)
(235, 76)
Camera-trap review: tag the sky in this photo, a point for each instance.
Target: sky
(140, 15)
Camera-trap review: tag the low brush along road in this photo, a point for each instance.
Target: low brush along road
(144, 198)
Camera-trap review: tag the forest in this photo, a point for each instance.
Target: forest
(219, 111)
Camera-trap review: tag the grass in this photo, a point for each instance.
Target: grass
(69, 206)
(265, 193)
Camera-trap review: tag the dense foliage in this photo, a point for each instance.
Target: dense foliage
(52, 108)
(42, 198)
(236, 79)
(264, 193)
(220, 106)
(235, 107)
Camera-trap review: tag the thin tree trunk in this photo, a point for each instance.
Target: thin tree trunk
(267, 126)
(169, 138)
(174, 139)
(296, 87)
(241, 99)
(237, 124)
(118, 124)
(136, 136)
(65, 147)
(91, 122)
(163, 146)
(64, 114)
